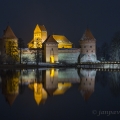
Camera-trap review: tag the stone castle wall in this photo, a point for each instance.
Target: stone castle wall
(64, 55)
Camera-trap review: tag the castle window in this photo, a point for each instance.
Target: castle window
(92, 51)
(90, 46)
(89, 83)
(84, 46)
(86, 79)
(87, 51)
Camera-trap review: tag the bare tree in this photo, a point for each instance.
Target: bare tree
(25, 59)
(105, 51)
(115, 48)
(99, 53)
(20, 46)
(37, 55)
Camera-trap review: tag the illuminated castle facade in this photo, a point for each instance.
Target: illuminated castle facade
(51, 49)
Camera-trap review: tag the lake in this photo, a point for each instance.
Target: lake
(59, 94)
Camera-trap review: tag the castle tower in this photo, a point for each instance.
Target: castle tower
(87, 83)
(50, 50)
(40, 35)
(9, 43)
(88, 47)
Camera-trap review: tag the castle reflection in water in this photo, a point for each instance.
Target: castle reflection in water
(45, 82)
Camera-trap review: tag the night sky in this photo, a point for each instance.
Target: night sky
(64, 17)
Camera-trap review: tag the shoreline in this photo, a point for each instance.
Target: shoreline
(28, 66)
(102, 66)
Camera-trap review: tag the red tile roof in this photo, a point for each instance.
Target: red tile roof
(8, 33)
(87, 35)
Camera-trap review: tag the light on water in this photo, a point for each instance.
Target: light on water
(55, 93)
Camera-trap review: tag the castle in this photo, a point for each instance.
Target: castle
(48, 49)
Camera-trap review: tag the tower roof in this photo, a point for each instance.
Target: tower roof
(87, 35)
(39, 28)
(42, 27)
(51, 91)
(9, 34)
(10, 98)
(86, 94)
(50, 39)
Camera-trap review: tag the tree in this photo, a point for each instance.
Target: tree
(115, 48)
(20, 46)
(37, 55)
(99, 53)
(12, 52)
(25, 59)
(105, 51)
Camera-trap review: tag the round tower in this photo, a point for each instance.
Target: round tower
(9, 45)
(88, 47)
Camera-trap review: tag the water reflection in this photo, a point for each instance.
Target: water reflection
(43, 83)
(115, 82)
(40, 95)
(110, 79)
(50, 82)
(87, 83)
(10, 85)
